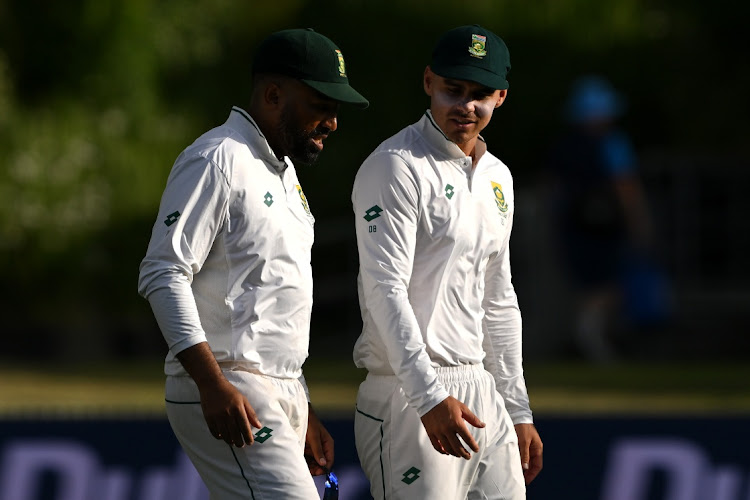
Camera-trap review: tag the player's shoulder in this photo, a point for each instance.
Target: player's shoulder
(399, 149)
(496, 165)
(220, 140)
(221, 148)
(497, 171)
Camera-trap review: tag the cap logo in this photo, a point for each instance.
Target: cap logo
(342, 66)
(477, 47)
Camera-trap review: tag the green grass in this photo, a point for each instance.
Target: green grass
(135, 388)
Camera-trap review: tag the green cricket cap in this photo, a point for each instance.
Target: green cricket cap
(472, 53)
(310, 57)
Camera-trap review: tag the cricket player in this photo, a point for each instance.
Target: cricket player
(228, 276)
(441, 337)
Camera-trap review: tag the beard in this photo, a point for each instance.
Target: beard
(298, 144)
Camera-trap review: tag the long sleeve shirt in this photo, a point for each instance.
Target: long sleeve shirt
(229, 258)
(435, 281)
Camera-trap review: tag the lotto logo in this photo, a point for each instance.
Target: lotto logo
(411, 475)
(372, 213)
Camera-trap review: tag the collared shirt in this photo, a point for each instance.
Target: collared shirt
(435, 283)
(229, 256)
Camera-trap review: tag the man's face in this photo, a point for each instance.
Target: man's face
(462, 109)
(307, 117)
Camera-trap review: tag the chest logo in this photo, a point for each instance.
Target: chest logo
(268, 199)
(304, 200)
(502, 205)
(449, 192)
(477, 47)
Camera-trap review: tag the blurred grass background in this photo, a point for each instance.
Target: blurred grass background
(97, 98)
(556, 389)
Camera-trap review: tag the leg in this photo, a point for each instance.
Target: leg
(499, 474)
(395, 451)
(273, 466)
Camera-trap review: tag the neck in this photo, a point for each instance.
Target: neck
(269, 129)
(468, 147)
(473, 149)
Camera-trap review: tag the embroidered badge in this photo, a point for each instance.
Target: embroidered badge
(342, 66)
(502, 205)
(477, 48)
(304, 200)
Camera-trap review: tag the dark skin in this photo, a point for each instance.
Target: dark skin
(295, 119)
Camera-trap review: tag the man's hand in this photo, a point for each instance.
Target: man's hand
(318, 446)
(227, 412)
(530, 445)
(445, 422)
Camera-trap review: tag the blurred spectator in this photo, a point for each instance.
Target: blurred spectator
(603, 222)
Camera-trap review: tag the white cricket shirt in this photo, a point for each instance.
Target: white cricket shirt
(435, 282)
(229, 256)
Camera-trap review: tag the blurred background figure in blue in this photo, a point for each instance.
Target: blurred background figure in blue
(603, 225)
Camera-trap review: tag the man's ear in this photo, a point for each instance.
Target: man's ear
(428, 81)
(501, 98)
(272, 94)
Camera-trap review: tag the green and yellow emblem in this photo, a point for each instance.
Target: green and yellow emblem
(342, 66)
(477, 47)
(304, 200)
(502, 205)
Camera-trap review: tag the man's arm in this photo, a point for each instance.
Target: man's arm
(386, 208)
(318, 445)
(502, 344)
(191, 216)
(227, 412)
(530, 446)
(502, 340)
(385, 200)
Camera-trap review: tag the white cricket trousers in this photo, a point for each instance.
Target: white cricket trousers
(273, 467)
(400, 462)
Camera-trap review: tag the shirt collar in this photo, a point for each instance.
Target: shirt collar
(437, 139)
(241, 121)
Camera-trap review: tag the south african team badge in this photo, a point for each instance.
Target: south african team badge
(304, 200)
(477, 48)
(502, 205)
(342, 66)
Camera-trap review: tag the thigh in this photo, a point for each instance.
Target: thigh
(272, 467)
(499, 476)
(395, 451)
(370, 429)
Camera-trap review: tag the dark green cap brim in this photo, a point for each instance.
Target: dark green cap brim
(342, 92)
(472, 74)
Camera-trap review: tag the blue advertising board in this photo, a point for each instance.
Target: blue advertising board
(584, 459)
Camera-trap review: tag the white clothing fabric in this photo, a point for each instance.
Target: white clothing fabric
(229, 256)
(273, 467)
(435, 281)
(399, 460)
